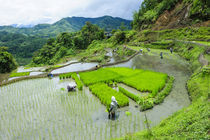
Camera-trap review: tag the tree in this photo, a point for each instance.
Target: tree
(91, 32)
(7, 62)
(119, 37)
(122, 26)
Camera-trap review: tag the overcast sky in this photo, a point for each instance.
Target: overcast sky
(49, 11)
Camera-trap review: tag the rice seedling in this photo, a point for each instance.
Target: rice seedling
(19, 74)
(101, 75)
(148, 102)
(104, 93)
(62, 89)
(125, 72)
(128, 113)
(147, 81)
(39, 98)
(160, 96)
(130, 95)
(77, 80)
(66, 75)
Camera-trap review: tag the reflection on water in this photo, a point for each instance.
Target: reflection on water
(35, 73)
(74, 67)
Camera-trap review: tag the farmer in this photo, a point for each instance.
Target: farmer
(71, 87)
(161, 55)
(50, 75)
(113, 108)
(171, 50)
(141, 50)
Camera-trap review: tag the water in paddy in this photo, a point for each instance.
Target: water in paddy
(40, 109)
(74, 67)
(172, 65)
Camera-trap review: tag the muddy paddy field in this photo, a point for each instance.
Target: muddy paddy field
(43, 109)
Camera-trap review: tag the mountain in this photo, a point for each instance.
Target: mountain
(69, 24)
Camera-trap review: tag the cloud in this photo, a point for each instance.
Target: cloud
(49, 11)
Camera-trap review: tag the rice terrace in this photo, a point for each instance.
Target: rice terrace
(140, 73)
(33, 103)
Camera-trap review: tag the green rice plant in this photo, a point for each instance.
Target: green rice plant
(104, 93)
(62, 89)
(145, 104)
(66, 75)
(130, 95)
(123, 71)
(128, 113)
(19, 74)
(77, 80)
(161, 95)
(147, 81)
(148, 102)
(101, 75)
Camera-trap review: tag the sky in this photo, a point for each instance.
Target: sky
(33, 12)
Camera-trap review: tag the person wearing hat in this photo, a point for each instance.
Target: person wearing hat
(113, 107)
(161, 55)
(71, 87)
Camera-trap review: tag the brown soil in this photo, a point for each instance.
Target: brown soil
(176, 18)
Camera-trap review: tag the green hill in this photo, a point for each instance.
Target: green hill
(21, 46)
(69, 24)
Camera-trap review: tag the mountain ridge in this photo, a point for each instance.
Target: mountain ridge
(68, 24)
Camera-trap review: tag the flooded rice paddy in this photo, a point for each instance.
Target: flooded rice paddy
(43, 109)
(38, 108)
(75, 67)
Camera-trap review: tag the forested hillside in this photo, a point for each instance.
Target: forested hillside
(69, 24)
(66, 44)
(23, 42)
(21, 46)
(165, 14)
